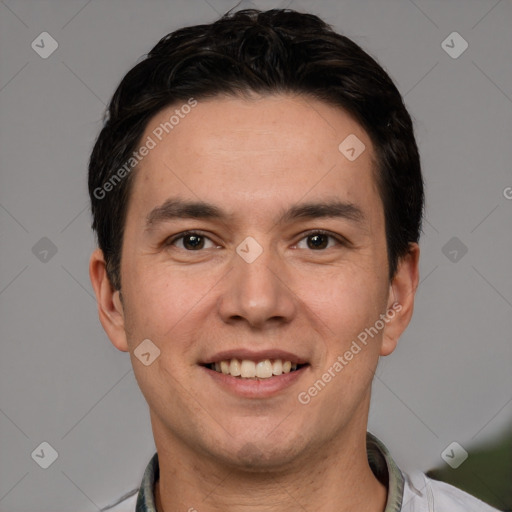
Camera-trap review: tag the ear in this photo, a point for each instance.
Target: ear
(110, 308)
(402, 290)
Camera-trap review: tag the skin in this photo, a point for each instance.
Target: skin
(254, 158)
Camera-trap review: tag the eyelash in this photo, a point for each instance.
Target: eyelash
(340, 240)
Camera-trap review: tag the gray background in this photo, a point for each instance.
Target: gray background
(63, 382)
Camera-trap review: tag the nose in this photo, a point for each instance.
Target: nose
(258, 293)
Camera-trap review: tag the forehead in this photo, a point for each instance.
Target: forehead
(254, 153)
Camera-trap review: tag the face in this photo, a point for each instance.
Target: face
(252, 242)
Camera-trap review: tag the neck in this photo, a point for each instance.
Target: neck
(335, 478)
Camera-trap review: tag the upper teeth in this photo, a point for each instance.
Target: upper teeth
(249, 369)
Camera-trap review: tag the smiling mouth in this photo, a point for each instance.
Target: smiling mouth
(247, 369)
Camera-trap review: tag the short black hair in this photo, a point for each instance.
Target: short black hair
(263, 52)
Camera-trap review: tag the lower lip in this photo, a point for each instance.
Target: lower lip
(256, 388)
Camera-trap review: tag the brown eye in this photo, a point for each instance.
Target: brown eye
(318, 240)
(191, 242)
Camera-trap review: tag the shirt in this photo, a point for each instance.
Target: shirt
(413, 492)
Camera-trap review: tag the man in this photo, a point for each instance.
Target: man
(257, 197)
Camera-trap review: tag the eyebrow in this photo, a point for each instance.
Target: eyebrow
(180, 209)
(175, 208)
(316, 210)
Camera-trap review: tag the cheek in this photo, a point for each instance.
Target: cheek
(164, 299)
(164, 306)
(347, 299)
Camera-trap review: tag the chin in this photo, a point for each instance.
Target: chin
(259, 454)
